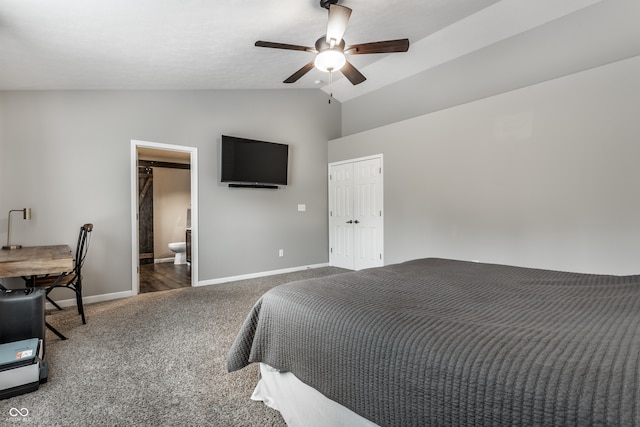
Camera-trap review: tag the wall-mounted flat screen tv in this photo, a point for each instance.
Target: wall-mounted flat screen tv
(253, 162)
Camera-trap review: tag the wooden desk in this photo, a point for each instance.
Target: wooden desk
(35, 260)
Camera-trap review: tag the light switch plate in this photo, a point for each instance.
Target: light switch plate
(302, 208)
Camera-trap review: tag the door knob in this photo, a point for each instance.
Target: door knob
(356, 222)
(349, 222)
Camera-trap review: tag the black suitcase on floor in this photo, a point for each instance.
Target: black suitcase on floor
(21, 314)
(22, 318)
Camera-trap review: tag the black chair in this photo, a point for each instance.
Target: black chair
(70, 279)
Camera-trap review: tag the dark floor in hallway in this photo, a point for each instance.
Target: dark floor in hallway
(164, 276)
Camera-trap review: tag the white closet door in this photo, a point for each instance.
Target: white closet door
(341, 216)
(356, 214)
(367, 214)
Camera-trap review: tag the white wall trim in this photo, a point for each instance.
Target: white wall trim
(193, 151)
(357, 159)
(71, 302)
(261, 274)
(126, 294)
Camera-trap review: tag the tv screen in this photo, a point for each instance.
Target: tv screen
(252, 161)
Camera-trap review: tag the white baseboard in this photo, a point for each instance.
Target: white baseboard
(161, 260)
(261, 274)
(126, 294)
(92, 299)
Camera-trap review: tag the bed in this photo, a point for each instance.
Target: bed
(446, 342)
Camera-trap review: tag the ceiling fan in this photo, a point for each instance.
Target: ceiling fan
(330, 49)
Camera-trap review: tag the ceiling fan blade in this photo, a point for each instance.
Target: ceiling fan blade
(337, 25)
(351, 73)
(261, 43)
(301, 72)
(389, 46)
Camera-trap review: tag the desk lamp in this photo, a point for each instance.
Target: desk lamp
(26, 214)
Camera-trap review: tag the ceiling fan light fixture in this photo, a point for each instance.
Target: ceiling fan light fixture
(331, 47)
(330, 60)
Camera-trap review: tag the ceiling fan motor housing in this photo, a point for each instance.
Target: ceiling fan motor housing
(327, 3)
(322, 45)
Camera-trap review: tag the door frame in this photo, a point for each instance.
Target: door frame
(193, 152)
(379, 156)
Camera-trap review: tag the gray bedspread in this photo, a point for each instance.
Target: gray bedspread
(435, 342)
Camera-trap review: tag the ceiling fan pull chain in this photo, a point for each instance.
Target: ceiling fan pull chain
(330, 82)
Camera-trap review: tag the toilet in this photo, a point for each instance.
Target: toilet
(180, 249)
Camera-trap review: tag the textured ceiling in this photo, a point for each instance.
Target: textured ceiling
(197, 44)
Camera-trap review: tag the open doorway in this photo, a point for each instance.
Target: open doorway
(164, 230)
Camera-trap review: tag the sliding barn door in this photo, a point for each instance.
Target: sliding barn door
(145, 215)
(356, 214)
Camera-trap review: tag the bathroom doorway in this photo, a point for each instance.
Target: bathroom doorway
(164, 216)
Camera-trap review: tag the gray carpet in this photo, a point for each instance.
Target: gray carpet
(157, 359)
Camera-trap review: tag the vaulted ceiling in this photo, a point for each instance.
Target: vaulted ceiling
(196, 44)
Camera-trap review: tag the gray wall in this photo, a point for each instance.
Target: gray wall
(67, 156)
(544, 176)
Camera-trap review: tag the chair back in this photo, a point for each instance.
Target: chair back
(83, 246)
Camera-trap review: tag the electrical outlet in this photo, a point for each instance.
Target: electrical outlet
(281, 252)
